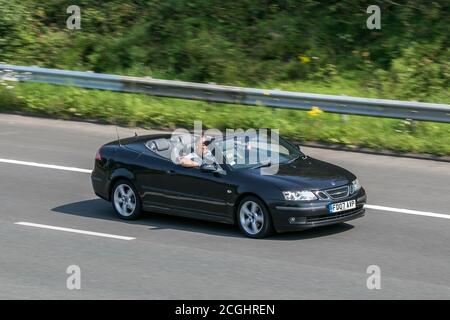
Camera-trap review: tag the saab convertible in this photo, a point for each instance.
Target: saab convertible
(139, 174)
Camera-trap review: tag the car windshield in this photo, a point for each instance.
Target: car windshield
(257, 150)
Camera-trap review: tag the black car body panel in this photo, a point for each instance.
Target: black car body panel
(166, 187)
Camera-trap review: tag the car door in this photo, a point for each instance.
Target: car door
(151, 175)
(191, 189)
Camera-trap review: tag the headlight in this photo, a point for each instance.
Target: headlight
(304, 195)
(356, 185)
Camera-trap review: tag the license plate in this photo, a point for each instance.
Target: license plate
(342, 206)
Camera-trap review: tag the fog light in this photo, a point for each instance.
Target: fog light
(298, 220)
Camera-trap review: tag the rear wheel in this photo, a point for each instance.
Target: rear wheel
(126, 201)
(254, 218)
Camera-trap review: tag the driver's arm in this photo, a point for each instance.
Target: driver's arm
(188, 163)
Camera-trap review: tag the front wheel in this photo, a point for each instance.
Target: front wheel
(254, 218)
(126, 201)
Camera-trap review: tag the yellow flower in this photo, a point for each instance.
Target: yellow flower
(304, 59)
(315, 111)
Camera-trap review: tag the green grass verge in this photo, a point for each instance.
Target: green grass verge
(151, 112)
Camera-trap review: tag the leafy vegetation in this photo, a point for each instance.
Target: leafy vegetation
(308, 46)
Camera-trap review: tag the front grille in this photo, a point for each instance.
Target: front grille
(322, 195)
(338, 193)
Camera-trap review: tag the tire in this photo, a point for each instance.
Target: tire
(253, 218)
(126, 201)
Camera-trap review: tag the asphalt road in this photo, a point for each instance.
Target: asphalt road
(177, 258)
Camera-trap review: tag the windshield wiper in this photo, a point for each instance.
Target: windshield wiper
(265, 164)
(293, 159)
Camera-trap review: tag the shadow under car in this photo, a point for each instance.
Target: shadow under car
(101, 209)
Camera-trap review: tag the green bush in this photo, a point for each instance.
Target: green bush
(246, 42)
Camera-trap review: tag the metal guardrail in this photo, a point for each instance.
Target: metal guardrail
(236, 95)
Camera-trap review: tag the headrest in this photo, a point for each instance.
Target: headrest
(162, 144)
(186, 140)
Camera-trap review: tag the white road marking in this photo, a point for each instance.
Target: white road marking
(98, 234)
(368, 206)
(42, 165)
(408, 211)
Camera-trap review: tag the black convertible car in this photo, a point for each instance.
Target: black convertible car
(138, 174)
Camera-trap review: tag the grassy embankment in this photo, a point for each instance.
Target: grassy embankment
(153, 112)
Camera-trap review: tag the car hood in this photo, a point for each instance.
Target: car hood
(308, 173)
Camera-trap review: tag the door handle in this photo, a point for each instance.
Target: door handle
(170, 171)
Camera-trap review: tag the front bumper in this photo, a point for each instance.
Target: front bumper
(297, 215)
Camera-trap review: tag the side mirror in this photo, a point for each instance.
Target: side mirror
(208, 168)
(213, 168)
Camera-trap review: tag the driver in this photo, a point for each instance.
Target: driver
(201, 155)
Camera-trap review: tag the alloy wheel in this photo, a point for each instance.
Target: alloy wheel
(124, 200)
(251, 217)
